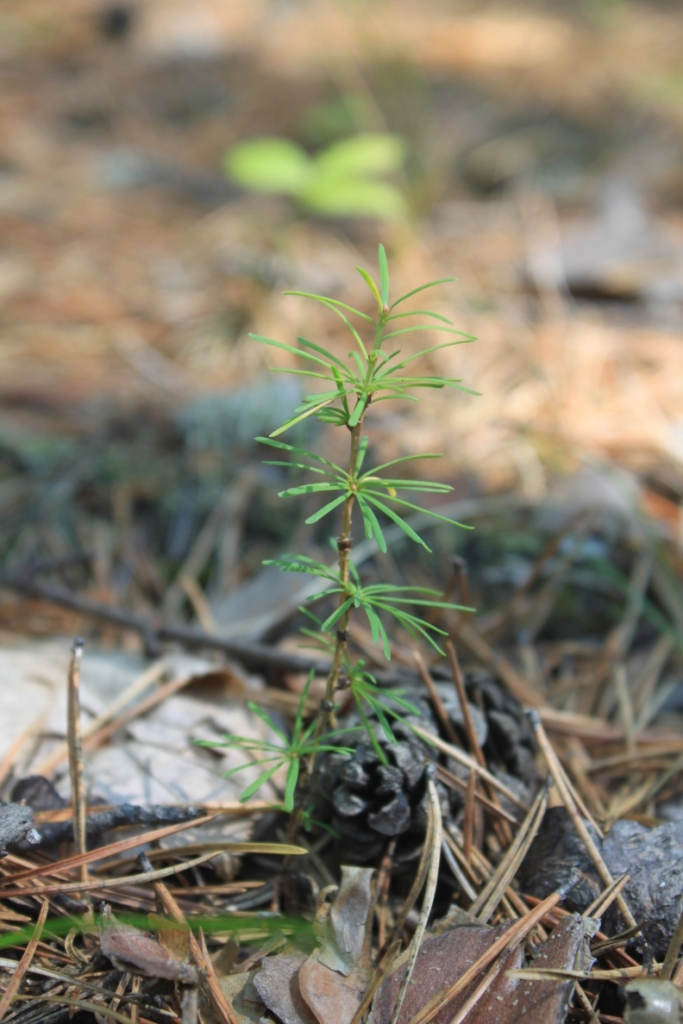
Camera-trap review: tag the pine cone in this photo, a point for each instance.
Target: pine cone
(367, 802)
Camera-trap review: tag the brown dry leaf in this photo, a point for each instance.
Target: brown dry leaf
(328, 986)
(441, 961)
(445, 958)
(277, 984)
(342, 930)
(332, 981)
(174, 937)
(333, 997)
(245, 1001)
(130, 949)
(546, 1002)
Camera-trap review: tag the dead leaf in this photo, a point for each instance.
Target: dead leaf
(327, 986)
(441, 961)
(333, 997)
(342, 931)
(175, 938)
(245, 1001)
(546, 1002)
(278, 986)
(131, 949)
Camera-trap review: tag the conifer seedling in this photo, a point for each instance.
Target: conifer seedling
(375, 371)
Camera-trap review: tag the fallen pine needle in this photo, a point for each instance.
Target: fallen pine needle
(25, 961)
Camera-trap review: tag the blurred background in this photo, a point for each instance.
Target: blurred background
(169, 167)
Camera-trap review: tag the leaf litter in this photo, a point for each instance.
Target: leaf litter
(582, 621)
(262, 934)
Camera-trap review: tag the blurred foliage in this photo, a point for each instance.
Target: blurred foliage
(345, 179)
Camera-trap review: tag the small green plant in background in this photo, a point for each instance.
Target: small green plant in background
(345, 179)
(375, 371)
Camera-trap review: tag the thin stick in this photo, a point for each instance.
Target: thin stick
(95, 1009)
(625, 702)
(490, 896)
(502, 830)
(459, 683)
(457, 871)
(436, 831)
(650, 790)
(452, 843)
(435, 698)
(110, 883)
(678, 976)
(383, 884)
(479, 991)
(578, 799)
(416, 887)
(200, 956)
(59, 867)
(453, 782)
(672, 951)
(251, 653)
(516, 685)
(555, 770)
(25, 961)
(516, 933)
(168, 689)
(138, 686)
(587, 1005)
(379, 974)
(606, 899)
(549, 973)
(468, 820)
(78, 800)
(135, 984)
(8, 761)
(462, 758)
